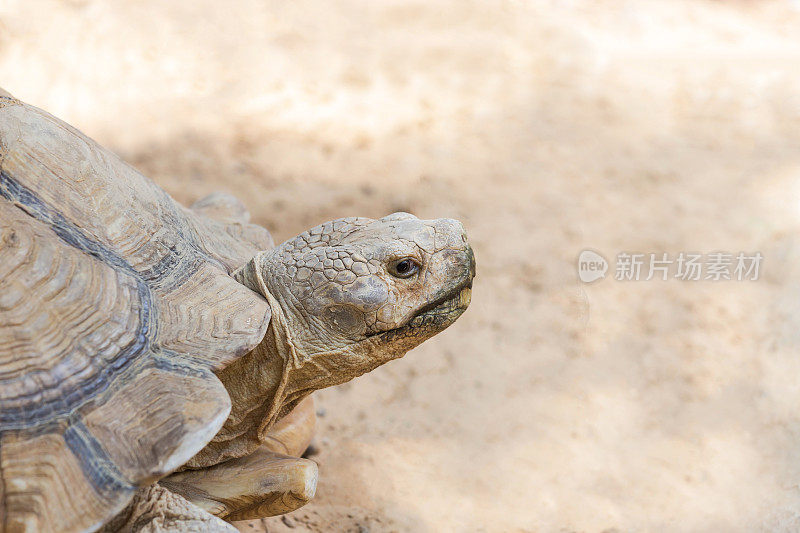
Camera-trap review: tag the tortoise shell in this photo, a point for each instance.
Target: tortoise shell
(116, 308)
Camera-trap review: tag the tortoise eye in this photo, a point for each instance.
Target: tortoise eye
(404, 268)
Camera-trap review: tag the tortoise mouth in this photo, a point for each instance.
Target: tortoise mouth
(433, 317)
(443, 309)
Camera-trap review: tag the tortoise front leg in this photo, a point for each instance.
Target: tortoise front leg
(261, 484)
(270, 481)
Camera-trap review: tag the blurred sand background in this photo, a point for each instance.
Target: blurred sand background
(547, 127)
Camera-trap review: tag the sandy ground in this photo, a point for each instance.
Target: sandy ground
(547, 128)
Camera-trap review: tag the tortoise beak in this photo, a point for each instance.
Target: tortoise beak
(471, 256)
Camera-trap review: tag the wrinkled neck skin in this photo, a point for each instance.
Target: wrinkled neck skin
(269, 381)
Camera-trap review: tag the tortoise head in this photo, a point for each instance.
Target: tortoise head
(358, 292)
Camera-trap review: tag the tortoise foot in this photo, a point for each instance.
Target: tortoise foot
(261, 484)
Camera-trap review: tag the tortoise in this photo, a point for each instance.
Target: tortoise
(157, 361)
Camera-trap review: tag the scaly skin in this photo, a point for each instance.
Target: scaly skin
(343, 302)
